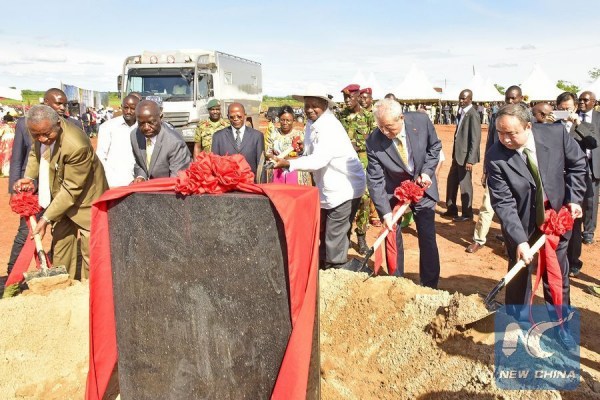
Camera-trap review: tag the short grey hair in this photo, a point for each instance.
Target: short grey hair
(41, 112)
(389, 107)
(518, 110)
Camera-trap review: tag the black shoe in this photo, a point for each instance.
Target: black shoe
(363, 247)
(449, 214)
(500, 238)
(588, 240)
(566, 340)
(462, 218)
(574, 271)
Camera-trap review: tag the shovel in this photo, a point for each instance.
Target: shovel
(355, 265)
(45, 271)
(490, 303)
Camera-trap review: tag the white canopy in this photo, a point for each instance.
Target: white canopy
(483, 90)
(10, 93)
(416, 86)
(593, 87)
(373, 83)
(539, 87)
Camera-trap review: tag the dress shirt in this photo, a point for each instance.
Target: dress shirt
(44, 194)
(329, 155)
(242, 130)
(588, 119)
(462, 112)
(401, 137)
(114, 151)
(530, 144)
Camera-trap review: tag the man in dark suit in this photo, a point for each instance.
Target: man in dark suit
(587, 101)
(159, 151)
(527, 153)
(512, 95)
(240, 139)
(465, 154)
(403, 147)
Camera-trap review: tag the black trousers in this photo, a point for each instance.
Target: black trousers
(458, 176)
(336, 224)
(429, 257)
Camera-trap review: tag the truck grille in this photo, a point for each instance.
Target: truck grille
(177, 119)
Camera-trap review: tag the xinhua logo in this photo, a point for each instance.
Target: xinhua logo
(540, 351)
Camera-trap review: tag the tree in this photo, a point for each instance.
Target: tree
(594, 73)
(567, 86)
(499, 88)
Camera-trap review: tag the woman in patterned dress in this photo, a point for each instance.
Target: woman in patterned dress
(7, 136)
(279, 141)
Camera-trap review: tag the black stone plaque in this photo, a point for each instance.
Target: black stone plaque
(201, 296)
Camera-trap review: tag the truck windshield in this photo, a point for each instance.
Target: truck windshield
(171, 84)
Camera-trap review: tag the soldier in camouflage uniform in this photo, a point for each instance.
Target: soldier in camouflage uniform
(366, 102)
(206, 128)
(359, 125)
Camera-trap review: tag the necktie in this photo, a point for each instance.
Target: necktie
(238, 140)
(44, 196)
(583, 117)
(540, 214)
(149, 149)
(402, 151)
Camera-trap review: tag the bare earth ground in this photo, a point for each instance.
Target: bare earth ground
(375, 343)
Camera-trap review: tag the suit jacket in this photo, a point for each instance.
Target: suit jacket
(253, 145)
(170, 154)
(512, 188)
(20, 152)
(588, 136)
(467, 138)
(76, 175)
(386, 170)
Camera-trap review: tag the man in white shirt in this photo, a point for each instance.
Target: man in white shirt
(114, 145)
(337, 171)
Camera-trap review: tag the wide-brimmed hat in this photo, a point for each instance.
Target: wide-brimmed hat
(315, 90)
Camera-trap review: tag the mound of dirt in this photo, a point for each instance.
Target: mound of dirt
(383, 338)
(387, 338)
(44, 344)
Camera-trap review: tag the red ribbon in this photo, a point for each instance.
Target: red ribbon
(301, 233)
(555, 225)
(25, 204)
(407, 192)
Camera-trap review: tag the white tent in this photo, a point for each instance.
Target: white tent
(593, 87)
(373, 83)
(451, 93)
(416, 86)
(538, 86)
(10, 93)
(483, 90)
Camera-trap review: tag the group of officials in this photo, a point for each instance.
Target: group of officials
(355, 160)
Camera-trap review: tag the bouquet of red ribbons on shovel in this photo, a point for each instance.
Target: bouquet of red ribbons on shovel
(407, 193)
(27, 206)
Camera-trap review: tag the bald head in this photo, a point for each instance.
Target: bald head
(236, 114)
(147, 114)
(587, 101)
(128, 106)
(57, 100)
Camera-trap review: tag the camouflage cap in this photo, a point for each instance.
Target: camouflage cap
(351, 88)
(213, 103)
(366, 90)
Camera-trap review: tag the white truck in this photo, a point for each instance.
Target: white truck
(184, 81)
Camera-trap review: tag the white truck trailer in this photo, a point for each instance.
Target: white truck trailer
(184, 81)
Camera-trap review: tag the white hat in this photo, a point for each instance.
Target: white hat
(314, 90)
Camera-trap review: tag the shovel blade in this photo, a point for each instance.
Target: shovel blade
(355, 265)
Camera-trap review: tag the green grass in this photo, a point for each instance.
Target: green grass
(269, 101)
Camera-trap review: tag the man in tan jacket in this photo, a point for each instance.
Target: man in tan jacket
(69, 177)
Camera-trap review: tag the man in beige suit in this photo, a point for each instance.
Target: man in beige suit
(69, 177)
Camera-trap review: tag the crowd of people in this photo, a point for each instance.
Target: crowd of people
(356, 155)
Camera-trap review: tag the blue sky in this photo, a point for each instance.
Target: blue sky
(299, 41)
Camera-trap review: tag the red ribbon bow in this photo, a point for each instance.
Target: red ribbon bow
(407, 192)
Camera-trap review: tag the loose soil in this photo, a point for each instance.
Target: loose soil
(384, 338)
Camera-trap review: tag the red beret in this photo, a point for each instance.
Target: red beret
(351, 88)
(366, 90)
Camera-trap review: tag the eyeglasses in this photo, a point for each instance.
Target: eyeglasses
(235, 117)
(584, 100)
